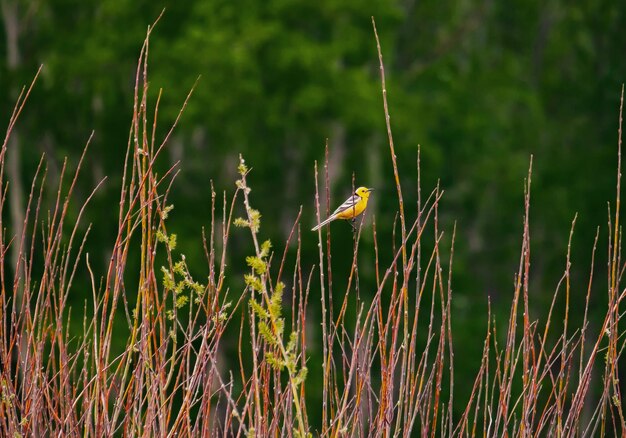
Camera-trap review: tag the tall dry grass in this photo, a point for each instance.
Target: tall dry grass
(379, 378)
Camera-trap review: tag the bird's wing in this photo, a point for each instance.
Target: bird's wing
(347, 204)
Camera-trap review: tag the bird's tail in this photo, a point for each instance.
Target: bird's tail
(330, 219)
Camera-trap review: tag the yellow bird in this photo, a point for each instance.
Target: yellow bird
(351, 208)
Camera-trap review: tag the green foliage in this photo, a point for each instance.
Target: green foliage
(269, 319)
(268, 333)
(271, 323)
(275, 362)
(257, 264)
(241, 222)
(259, 310)
(276, 302)
(301, 376)
(253, 282)
(168, 279)
(180, 281)
(6, 396)
(255, 220)
(181, 300)
(265, 248)
(166, 211)
(170, 240)
(242, 169)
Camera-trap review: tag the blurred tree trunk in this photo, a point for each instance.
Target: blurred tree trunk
(10, 16)
(336, 158)
(291, 183)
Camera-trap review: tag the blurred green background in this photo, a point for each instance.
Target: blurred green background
(480, 85)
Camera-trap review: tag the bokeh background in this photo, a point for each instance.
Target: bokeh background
(479, 86)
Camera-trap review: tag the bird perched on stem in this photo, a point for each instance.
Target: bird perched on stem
(351, 207)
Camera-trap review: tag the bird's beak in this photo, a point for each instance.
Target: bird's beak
(370, 190)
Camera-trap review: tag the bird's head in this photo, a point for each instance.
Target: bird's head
(363, 192)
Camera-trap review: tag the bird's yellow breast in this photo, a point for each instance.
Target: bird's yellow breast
(354, 211)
